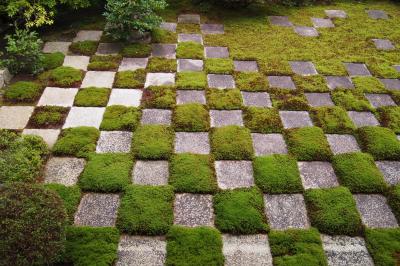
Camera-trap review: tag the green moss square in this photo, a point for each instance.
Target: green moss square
(381, 142)
(92, 97)
(358, 172)
(332, 120)
(368, 84)
(224, 99)
(77, 141)
(192, 173)
(108, 172)
(314, 83)
(232, 143)
(277, 174)
(153, 142)
(53, 60)
(219, 66)
(395, 96)
(188, 28)
(333, 211)
(130, 79)
(84, 47)
(159, 97)
(161, 65)
(146, 210)
(308, 144)
(251, 81)
(262, 120)
(240, 211)
(104, 62)
(389, 116)
(292, 100)
(191, 80)
(159, 35)
(119, 117)
(394, 200)
(140, 50)
(330, 67)
(350, 100)
(48, 117)
(383, 245)
(190, 50)
(192, 117)
(62, 76)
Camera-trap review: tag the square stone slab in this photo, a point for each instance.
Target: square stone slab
(391, 84)
(164, 50)
(212, 28)
(63, 170)
(378, 100)
(304, 68)
(336, 13)
(306, 31)
(141, 250)
(193, 210)
(390, 171)
(153, 173)
(50, 136)
(245, 66)
(156, 117)
(126, 97)
(322, 23)
(220, 81)
(190, 65)
(192, 142)
(114, 141)
(168, 26)
(258, 99)
(221, 118)
(342, 143)
(377, 14)
(319, 99)
(374, 210)
(383, 44)
(109, 48)
(286, 211)
(97, 209)
(281, 82)
(77, 61)
(52, 47)
(246, 250)
(357, 69)
(189, 18)
(294, 119)
(234, 174)
(15, 117)
(190, 96)
(159, 79)
(280, 21)
(346, 250)
(84, 116)
(216, 52)
(362, 119)
(58, 97)
(101, 79)
(133, 64)
(339, 82)
(88, 35)
(266, 144)
(317, 175)
(186, 37)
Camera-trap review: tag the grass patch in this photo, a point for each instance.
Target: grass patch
(130, 79)
(191, 118)
(293, 100)
(224, 99)
(333, 120)
(191, 80)
(251, 81)
(153, 142)
(314, 83)
(368, 84)
(190, 50)
(394, 200)
(161, 65)
(262, 120)
(84, 47)
(23, 91)
(350, 100)
(219, 66)
(92, 96)
(53, 60)
(389, 116)
(159, 97)
(77, 141)
(136, 50)
(119, 117)
(384, 245)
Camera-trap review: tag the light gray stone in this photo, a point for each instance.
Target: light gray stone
(336, 13)
(322, 23)
(317, 175)
(221, 118)
(190, 96)
(114, 141)
(168, 26)
(58, 97)
(234, 174)
(193, 210)
(190, 65)
(109, 48)
(391, 84)
(266, 144)
(132, 64)
(220, 81)
(378, 100)
(295, 119)
(192, 142)
(189, 18)
(212, 28)
(281, 82)
(15, 117)
(357, 69)
(153, 173)
(190, 37)
(319, 99)
(126, 97)
(156, 117)
(48, 135)
(397, 67)
(52, 47)
(164, 50)
(88, 35)
(303, 68)
(383, 44)
(258, 99)
(101, 79)
(339, 82)
(63, 170)
(306, 31)
(377, 14)
(280, 21)
(342, 143)
(5, 77)
(362, 119)
(390, 171)
(246, 66)
(216, 52)
(77, 61)
(159, 79)
(84, 116)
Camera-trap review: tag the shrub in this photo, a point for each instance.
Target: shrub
(350, 100)
(191, 50)
(314, 83)
(70, 196)
(159, 97)
(219, 66)
(333, 211)
(119, 117)
(32, 225)
(251, 81)
(146, 210)
(224, 99)
(389, 116)
(95, 97)
(383, 245)
(78, 141)
(289, 100)
(262, 120)
(191, 118)
(53, 60)
(161, 65)
(65, 76)
(48, 117)
(140, 50)
(394, 200)
(153, 142)
(277, 174)
(191, 80)
(333, 120)
(234, 3)
(84, 47)
(130, 79)
(23, 91)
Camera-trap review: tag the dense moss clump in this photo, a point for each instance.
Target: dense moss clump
(130, 79)
(53, 60)
(70, 195)
(389, 116)
(119, 117)
(48, 117)
(394, 200)
(251, 81)
(92, 97)
(192, 117)
(191, 80)
(191, 50)
(23, 91)
(62, 76)
(224, 99)
(218, 66)
(78, 141)
(140, 50)
(350, 100)
(159, 97)
(293, 100)
(104, 62)
(315, 83)
(161, 65)
(333, 120)
(153, 142)
(383, 245)
(262, 120)
(84, 47)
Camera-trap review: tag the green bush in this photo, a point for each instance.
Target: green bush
(333, 120)
(224, 99)
(394, 200)
(262, 120)
(153, 142)
(140, 50)
(333, 211)
(192, 173)
(32, 225)
(191, 80)
(77, 141)
(64, 76)
(53, 60)
(240, 211)
(277, 174)
(251, 81)
(159, 97)
(84, 47)
(350, 100)
(23, 91)
(92, 96)
(119, 117)
(70, 196)
(48, 117)
(232, 143)
(234, 3)
(191, 118)
(358, 172)
(191, 50)
(161, 65)
(383, 245)
(389, 116)
(219, 66)
(130, 79)
(194, 246)
(314, 83)
(146, 210)
(289, 100)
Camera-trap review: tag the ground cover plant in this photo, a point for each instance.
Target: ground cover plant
(224, 99)
(92, 97)
(191, 80)
(394, 200)
(136, 50)
(191, 50)
(191, 118)
(383, 245)
(70, 196)
(23, 91)
(153, 142)
(389, 116)
(251, 81)
(84, 47)
(218, 66)
(161, 65)
(78, 141)
(62, 76)
(289, 100)
(368, 84)
(315, 83)
(53, 60)
(119, 117)
(130, 79)
(104, 62)
(262, 120)
(48, 117)
(350, 100)
(159, 97)
(332, 120)
(163, 36)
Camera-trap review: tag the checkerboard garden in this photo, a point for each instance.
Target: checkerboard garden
(206, 148)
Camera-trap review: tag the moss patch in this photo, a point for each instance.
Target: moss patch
(219, 66)
(48, 117)
(23, 91)
(389, 116)
(119, 117)
(95, 97)
(368, 84)
(104, 62)
(383, 245)
(191, 50)
(153, 142)
(293, 100)
(136, 50)
(53, 60)
(159, 97)
(350, 100)
(251, 81)
(84, 47)
(394, 200)
(192, 117)
(163, 36)
(224, 99)
(77, 141)
(333, 120)
(130, 79)
(191, 80)
(161, 65)
(315, 83)
(262, 120)
(381, 142)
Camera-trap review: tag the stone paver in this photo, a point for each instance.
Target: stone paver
(126, 97)
(97, 209)
(346, 251)
(164, 50)
(190, 96)
(109, 48)
(114, 141)
(220, 118)
(377, 14)
(294, 119)
(258, 99)
(246, 250)
(361, 119)
(390, 171)
(153, 173)
(63, 170)
(280, 21)
(357, 69)
(5, 77)
(286, 211)
(304, 68)
(88, 35)
(339, 82)
(342, 143)
(193, 210)
(156, 116)
(49, 135)
(15, 117)
(101, 79)
(322, 23)
(374, 210)
(52, 47)
(190, 37)
(234, 174)
(212, 28)
(133, 64)
(306, 31)
(266, 144)
(84, 116)
(391, 84)
(190, 65)
(246, 66)
(192, 142)
(220, 81)
(383, 44)
(319, 99)
(397, 67)
(317, 175)
(378, 100)
(336, 13)
(77, 61)
(189, 18)
(159, 79)
(216, 52)
(168, 26)
(281, 82)
(58, 97)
